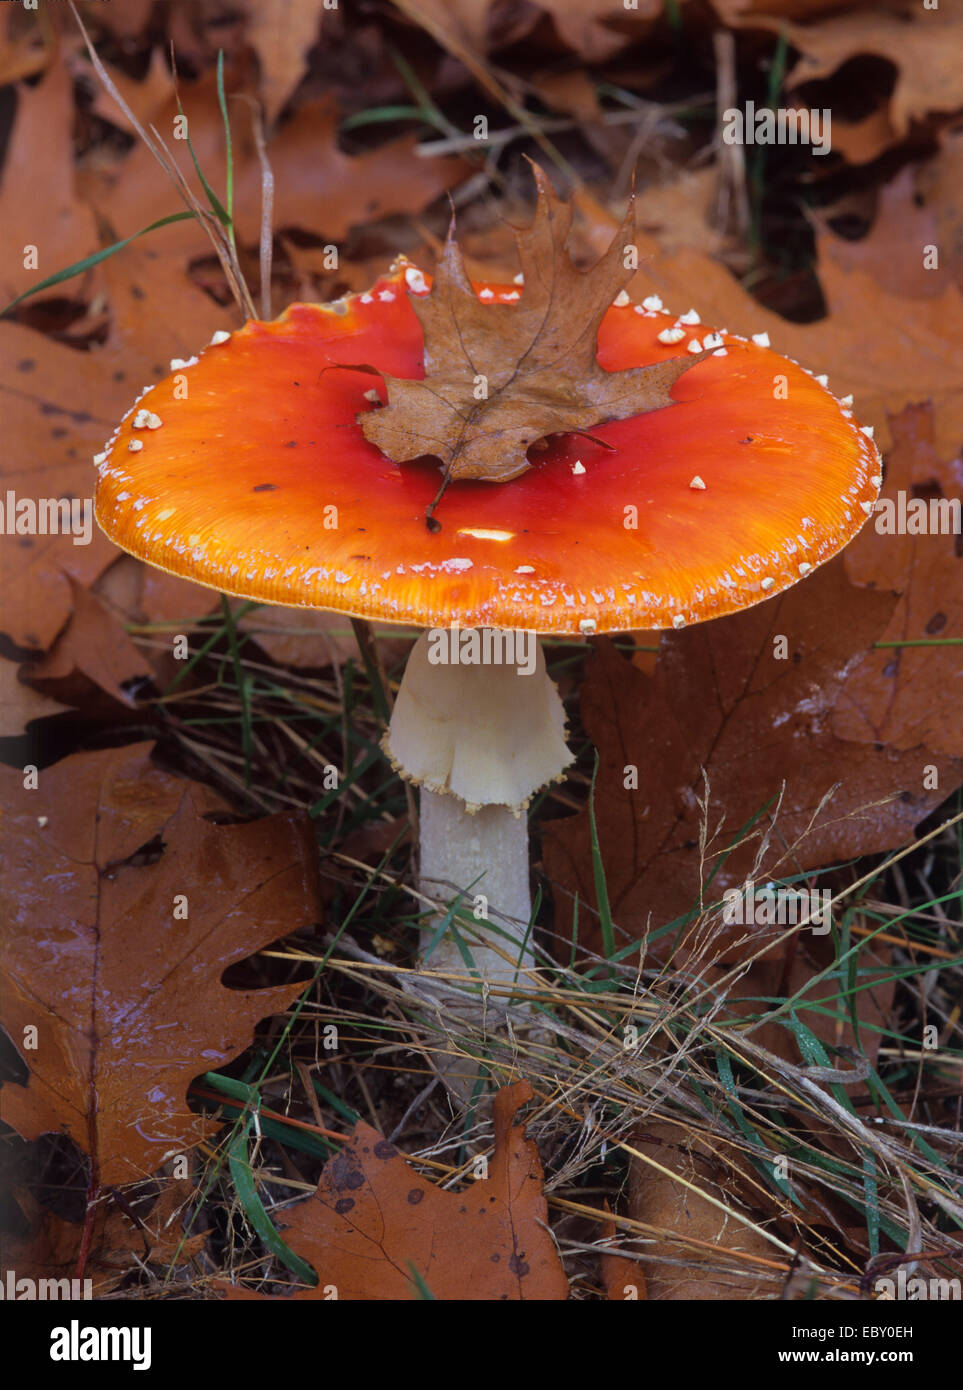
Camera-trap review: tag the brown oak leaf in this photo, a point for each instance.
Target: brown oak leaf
(723, 702)
(58, 407)
(375, 1228)
(699, 1252)
(112, 956)
(20, 703)
(498, 377)
(150, 1225)
(908, 696)
(45, 225)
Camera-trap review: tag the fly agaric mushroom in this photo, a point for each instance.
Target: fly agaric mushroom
(260, 469)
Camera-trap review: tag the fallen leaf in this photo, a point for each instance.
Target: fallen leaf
(157, 608)
(200, 31)
(680, 212)
(919, 220)
(19, 703)
(45, 225)
(156, 313)
(139, 593)
(372, 841)
(129, 191)
(302, 637)
(622, 1277)
(122, 988)
(498, 377)
(25, 44)
(317, 187)
(322, 276)
(722, 700)
(148, 1229)
(593, 29)
(703, 1253)
(282, 35)
(886, 350)
(906, 697)
(745, 12)
(924, 49)
(572, 91)
(863, 140)
(455, 26)
(598, 29)
(309, 637)
(375, 1225)
(145, 96)
(939, 185)
(321, 189)
(60, 405)
(94, 646)
(126, 21)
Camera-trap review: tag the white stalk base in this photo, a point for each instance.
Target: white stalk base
(485, 855)
(479, 733)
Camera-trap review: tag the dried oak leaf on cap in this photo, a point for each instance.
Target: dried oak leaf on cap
(499, 377)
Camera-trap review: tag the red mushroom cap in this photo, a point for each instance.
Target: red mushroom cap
(246, 470)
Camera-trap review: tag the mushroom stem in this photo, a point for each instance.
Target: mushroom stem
(485, 856)
(479, 726)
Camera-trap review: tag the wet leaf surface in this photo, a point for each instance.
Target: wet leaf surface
(112, 968)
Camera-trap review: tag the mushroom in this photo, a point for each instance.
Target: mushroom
(246, 470)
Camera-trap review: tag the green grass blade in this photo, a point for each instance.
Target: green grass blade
(228, 147)
(444, 925)
(206, 646)
(79, 267)
(378, 693)
(223, 214)
(880, 1093)
(815, 1055)
(924, 642)
(598, 874)
(571, 963)
(422, 1291)
(247, 1194)
(523, 946)
(241, 1097)
(378, 114)
(336, 1103)
(428, 109)
(318, 807)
